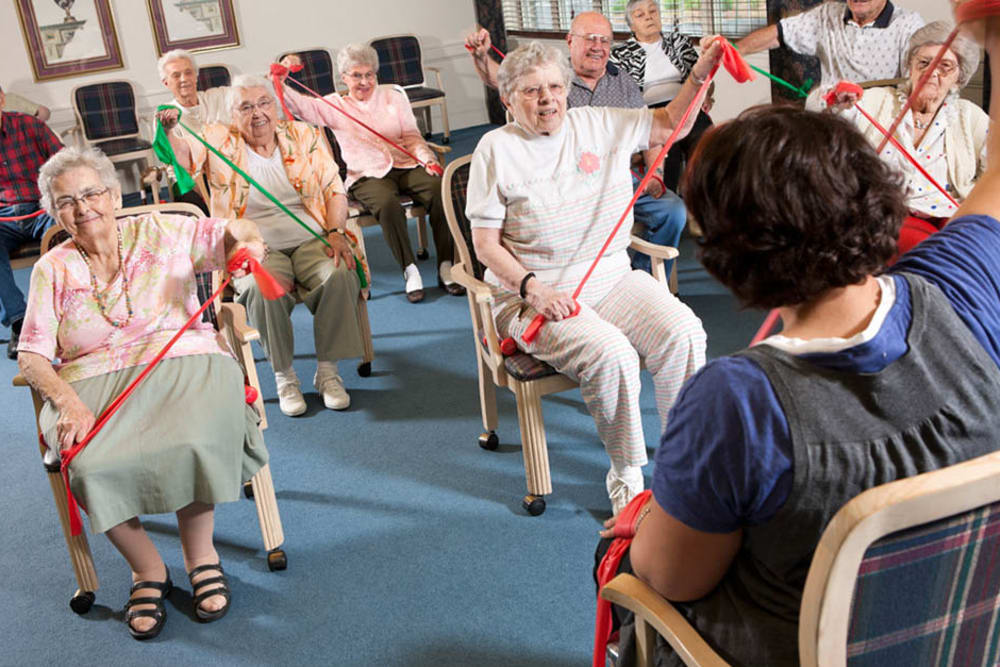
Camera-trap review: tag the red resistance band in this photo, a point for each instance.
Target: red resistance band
(740, 71)
(657, 178)
(848, 87)
(624, 531)
(495, 50)
(280, 72)
(15, 218)
(269, 287)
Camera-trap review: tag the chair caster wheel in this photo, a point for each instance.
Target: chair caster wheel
(81, 602)
(489, 441)
(248, 490)
(276, 560)
(533, 505)
(365, 369)
(422, 254)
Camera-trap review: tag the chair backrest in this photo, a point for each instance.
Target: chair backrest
(317, 70)
(908, 573)
(399, 60)
(454, 186)
(106, 110)
(213, 76)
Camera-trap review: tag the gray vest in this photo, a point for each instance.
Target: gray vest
(933, 407)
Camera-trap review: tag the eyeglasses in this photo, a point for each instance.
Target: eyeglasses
(946, 67)
(367, 76)
(532, 92)
(594, 38)
(247, 108)
(88, 197)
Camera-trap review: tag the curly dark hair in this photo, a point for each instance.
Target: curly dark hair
(792, 203)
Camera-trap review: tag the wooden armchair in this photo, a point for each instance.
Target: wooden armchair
(528, 378)
(906, 573)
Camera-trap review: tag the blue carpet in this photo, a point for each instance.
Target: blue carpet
(406, 542)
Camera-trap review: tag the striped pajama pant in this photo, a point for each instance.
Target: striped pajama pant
(601, 347)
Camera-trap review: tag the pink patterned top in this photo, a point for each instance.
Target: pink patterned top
(161, 255)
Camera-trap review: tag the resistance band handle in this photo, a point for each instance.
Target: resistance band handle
(531, 333)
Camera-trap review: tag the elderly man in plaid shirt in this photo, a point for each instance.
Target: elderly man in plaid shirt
(25, 144)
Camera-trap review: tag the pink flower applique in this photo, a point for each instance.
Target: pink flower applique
(589, 163)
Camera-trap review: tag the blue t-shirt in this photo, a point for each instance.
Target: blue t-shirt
(725, 460)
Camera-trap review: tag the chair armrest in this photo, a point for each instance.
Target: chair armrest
(75, 130)
(627, 591)
(482, 292)
(19, 381)
(438, 148)
(437, 76)
(653, 249)
(236, 319)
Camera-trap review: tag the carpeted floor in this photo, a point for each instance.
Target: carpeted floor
(406, 542)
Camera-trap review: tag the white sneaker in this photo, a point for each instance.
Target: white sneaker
(623, 486)
(331, 388)
(414, 284)
(290, 398)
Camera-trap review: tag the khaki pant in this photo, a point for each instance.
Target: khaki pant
(381, 197)
(330, 293)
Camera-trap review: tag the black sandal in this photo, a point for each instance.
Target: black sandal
(159, 612)
(222, 589)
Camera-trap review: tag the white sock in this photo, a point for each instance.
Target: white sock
(326, 369)
(285, 376)
(412, 275)
(445, 272)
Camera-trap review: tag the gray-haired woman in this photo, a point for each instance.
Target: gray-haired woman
(378, 173)
(103, 304)
(946, 134)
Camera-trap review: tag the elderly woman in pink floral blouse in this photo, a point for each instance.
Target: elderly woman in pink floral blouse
(103, 304)
(377, 173)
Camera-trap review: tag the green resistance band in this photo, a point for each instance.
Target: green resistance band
(802, 92)
(357, 264)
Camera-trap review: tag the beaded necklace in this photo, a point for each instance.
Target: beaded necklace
(101, 304)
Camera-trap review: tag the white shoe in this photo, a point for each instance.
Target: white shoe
(623, 486)
(331, 388)
(290, 398)
(414, 284)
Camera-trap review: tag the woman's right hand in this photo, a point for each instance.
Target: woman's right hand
(168, 118)
(479, 42)
(74, 423)
(552, 304)
(291, 60)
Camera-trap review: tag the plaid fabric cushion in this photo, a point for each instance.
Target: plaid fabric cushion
(213, 76)
(317, 70)
(525, 367)
(399, 60)
(930, 595)
(119, 146)
(459, 185)
(421, 93)
(107, 110)
(203, 281)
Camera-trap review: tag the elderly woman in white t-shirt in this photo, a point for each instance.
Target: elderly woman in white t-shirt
(545, 192)
(660, 62)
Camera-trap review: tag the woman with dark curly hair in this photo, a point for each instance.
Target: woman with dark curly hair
(874, 377)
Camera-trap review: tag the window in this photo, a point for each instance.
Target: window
(732, 18)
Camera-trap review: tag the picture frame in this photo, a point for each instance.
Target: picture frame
(193, 25)
(69, 37)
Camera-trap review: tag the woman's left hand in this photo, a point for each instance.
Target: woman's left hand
(339, 249)
(433, 168)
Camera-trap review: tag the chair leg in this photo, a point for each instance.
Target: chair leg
(535, 449)
(79, 550)
(270, 520)
(422, 237)
(365, 367)
(672, 284)
(487, 396)
(444, 122)
(645, 637)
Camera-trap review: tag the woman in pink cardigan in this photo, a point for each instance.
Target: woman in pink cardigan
(376, 172)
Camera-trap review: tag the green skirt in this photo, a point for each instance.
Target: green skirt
(185, 434)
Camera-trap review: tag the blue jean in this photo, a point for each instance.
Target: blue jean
(14, 234)
(663, 220)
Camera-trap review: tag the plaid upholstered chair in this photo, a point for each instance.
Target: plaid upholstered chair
(400, 63)
(317, 69)
(906, 573)
(526, 377)
(213, 76)
(106, 119)
(232, 325)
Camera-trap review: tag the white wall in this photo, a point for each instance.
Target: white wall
(266, 29)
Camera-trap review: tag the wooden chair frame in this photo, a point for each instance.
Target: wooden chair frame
(425, 105)
(492, 371)
(825, 614)
(234, 328)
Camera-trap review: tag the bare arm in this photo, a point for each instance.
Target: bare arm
(75, 418)
(552, 304)
(43, 113)
(336, 219)
(761, 39)
(479, 43)
(654, 189)
(665, 119)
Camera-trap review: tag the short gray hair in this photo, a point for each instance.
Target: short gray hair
(356, 54)
(72, 158)
(171, 56)
(242, 81)
(632, 4)
(935, 34)
(525, 59)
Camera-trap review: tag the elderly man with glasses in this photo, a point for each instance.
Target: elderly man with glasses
(25, 144)
(596, 82)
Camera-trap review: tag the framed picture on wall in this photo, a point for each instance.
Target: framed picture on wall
(194, 25)
(69, 37)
